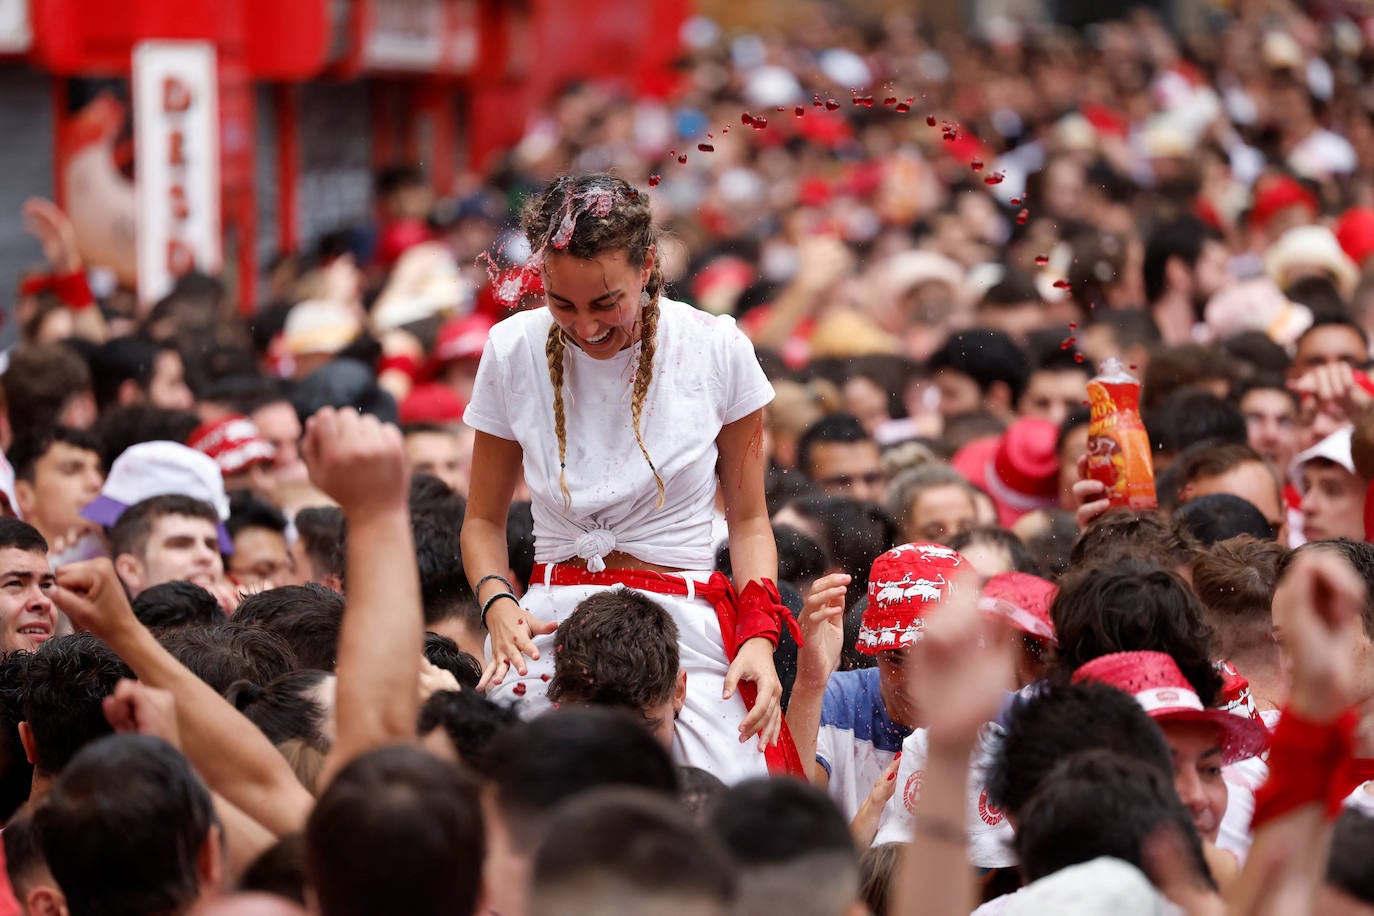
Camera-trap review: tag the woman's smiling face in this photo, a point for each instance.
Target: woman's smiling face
(596, 301)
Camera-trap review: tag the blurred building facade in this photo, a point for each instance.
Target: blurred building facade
(313, 97)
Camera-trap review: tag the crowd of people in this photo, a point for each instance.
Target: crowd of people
(692, 514)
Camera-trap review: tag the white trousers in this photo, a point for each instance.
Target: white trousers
(706, 734)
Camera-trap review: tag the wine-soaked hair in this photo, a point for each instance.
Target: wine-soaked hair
(586, 216)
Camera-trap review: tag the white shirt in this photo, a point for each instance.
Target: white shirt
(705, 376)
(990, 836)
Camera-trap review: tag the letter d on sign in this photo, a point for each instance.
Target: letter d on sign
(176, 95)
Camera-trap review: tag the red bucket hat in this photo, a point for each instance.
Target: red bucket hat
(1024, 600)
(904, 586)
(1154, 679)
(1019, 470)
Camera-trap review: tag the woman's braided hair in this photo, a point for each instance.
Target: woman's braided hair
(585, 216)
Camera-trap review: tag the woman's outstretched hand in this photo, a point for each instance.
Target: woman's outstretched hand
(754, 663)
(512, 630)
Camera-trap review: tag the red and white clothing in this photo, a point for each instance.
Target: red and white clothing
(990, 837)
(1243, 780)
(705, 376)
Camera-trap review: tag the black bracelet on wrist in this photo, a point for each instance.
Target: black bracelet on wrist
(486, 605)
(476, 589)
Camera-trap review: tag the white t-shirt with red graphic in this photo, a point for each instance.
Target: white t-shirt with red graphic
(989, 835)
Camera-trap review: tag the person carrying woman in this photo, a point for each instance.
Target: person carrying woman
(627, 410)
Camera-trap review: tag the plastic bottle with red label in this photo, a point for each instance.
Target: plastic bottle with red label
(1118, 446)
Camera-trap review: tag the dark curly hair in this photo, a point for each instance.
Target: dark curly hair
(1131, 605)
(619, 648)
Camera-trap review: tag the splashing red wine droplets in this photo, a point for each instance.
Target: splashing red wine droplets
(1062, 284)
(682, 160)
(1022, 217)
(1078, 357)
(976, 165)
(599, 201)
(654, 180)
(519, 688)
(890, 100)
(832, 105)
(1067, 342)
(706, 147)
(995, 178)
(1015, 201)
(799, 111)
(760, 123)
(565, 231)
(1041, 260)
(904, 107)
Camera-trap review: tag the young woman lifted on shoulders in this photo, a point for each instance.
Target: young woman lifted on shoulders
(626, 410)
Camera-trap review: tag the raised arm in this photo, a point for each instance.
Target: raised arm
(359, 462)
(136, 708)
(230, 753)
(966, 673)
(45, 221)
(822, 262)
(822, 626)
(1294, 811)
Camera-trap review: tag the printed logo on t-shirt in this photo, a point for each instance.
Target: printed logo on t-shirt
(990, 813)
(911, 794)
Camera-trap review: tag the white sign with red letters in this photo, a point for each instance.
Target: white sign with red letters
(176, 164)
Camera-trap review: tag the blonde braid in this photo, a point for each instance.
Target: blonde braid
(553, 348)
(644, 373)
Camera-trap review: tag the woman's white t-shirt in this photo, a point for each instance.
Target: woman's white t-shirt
(705, 375)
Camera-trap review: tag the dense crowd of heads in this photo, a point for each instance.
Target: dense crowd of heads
(934, 240)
